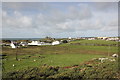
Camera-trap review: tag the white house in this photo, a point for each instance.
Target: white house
(38, 43)
(34, 43)
(114, 39)
(55, 43)
(69, 38)
(103, 38)
(12, 45)
(91, 38)
(23, 43)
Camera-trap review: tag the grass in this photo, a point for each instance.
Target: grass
(95, 42)
(91, 49)
(48, 59)
(89, 70)
(62, 49)
(59, 55)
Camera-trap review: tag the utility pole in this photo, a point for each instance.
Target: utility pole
(16, 54)
(109, 50)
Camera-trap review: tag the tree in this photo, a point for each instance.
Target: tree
(65, 41)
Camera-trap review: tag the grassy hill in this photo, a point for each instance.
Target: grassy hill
(59, 55)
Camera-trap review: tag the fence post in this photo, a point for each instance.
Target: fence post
(16, 54)
(108, 50)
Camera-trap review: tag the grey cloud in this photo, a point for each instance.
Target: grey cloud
(17, 21)
(56, 22)
(22, 6)
(83, 12)
(105, 6)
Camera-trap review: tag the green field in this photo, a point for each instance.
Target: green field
(60, 55)
(95, 42)
(93, 69)
(48, 59)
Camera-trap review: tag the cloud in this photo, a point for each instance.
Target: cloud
(83, 12)
(48, 19)
(16, 21)
(105, 6)
(19, 6)
(61, 1)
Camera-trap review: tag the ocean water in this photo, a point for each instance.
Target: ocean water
(21, 38)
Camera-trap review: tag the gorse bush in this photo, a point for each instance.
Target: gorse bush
(106, 70)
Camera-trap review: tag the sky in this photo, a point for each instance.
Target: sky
(59, 19)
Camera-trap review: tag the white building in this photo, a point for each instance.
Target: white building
(55, 43)
(38, 43)
(34, 43)
(23, 44)
(69, 38)
(103, 38)
(12, 45)
(91, 38)
(113, 39)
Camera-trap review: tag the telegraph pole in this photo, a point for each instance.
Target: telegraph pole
(16, 53)
(109, 50)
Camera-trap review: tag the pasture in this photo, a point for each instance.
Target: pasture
(37, 60)
(59, 55)
(95, 42)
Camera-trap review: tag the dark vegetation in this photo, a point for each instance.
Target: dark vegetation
(89, 70)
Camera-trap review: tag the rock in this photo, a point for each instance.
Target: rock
(112, 60)
(115, 55)
(13, 65)
(102, 59)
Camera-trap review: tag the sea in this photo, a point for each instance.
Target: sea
(21, 38)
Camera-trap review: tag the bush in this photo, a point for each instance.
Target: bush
(65, 41)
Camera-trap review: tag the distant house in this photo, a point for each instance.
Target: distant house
(91, 38)
(55, 43)
(113, 39)
(38, 43)
(69, 38)
(13, 45)
(23, 44)
(103, 38)
(43, 43)
(34, 43)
